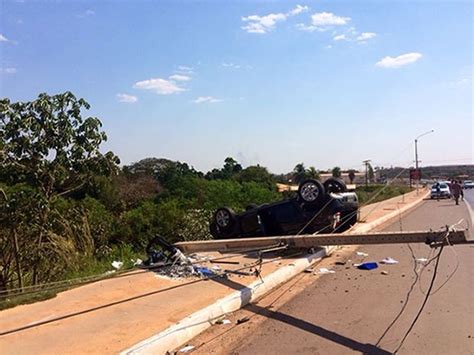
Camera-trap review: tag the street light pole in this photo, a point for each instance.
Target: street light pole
(416, 156)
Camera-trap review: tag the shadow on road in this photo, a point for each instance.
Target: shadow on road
(317, 330)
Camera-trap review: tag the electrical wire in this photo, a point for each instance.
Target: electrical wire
(425, 301)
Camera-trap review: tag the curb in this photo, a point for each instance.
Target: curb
(366, 227)
(189, 327)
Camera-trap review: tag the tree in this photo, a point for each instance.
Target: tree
(299, 173)
(312, 173)
(352, 175)
(259, 174)
(371, 173)
(230, 170)
(336, 172)
(48, 145)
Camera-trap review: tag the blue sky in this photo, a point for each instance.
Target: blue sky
(276, 83)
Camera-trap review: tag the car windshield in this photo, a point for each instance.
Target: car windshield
(441, 186)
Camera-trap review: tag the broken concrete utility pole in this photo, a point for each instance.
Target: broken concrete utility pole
(432, 238)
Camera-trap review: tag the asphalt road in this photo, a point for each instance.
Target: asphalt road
(348, 311)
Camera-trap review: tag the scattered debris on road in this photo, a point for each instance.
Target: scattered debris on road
(323, 271)
(243, 320)
(389, 261)
(368, 266)
(360, 253)
(186, 349)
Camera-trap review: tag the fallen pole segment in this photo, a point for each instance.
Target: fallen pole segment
(433, 238)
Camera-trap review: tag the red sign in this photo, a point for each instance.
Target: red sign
(415, 174)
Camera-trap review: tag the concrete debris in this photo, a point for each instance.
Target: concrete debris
(176, 271)
(360, 253)
(186, 349)
(324, 270)
(389, 261)
(117, 264)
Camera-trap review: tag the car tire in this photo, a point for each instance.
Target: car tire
(335, 185)
(224, 218)
(311, 191)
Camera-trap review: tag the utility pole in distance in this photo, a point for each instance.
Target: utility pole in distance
(366, 162)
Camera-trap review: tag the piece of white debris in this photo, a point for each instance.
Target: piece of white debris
(389, 261)
(361, 253)
(186, 349)
(324, 270)
(117, 264)
(137, 262)
(383, 272)
(422, 260)
(216, 267)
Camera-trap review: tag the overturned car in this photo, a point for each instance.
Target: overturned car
(318, 208)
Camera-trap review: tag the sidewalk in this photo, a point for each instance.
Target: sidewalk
(115, 314)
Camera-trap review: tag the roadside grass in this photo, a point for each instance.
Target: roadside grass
(366, 193)
(84, 270)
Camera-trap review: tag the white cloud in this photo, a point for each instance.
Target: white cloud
(298, 10)
(401, 60)
(3, 38)
(127, 98)
(364, 36)
(206, 99)
(265, 24)
(8, 70)
(160, 86)
(340, 38)
(308, 28)
(185, 69)
(86, 13)
(325, 19)
(231, 65)
(180, 77)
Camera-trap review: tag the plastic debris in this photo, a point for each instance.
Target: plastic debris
(117, 264)
(422, 260)
(389, 261)
(186, 349)
(360, 253)
(383, 272)
(204, 271)
(324, 270)
(216, 267)
(308, 270)
(137, 262)
(368, 266)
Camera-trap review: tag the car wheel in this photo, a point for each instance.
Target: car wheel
(335, 185)
(311, 191)
(224, 218)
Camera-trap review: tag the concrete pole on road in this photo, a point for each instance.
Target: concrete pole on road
(416, 156)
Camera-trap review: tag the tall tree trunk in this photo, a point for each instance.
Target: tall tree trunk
(17, 259)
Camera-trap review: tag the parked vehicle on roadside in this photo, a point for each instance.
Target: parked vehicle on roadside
(468, 184)
(318, 207)
(440, 190)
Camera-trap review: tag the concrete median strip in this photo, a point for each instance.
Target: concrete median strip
(189, 327)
